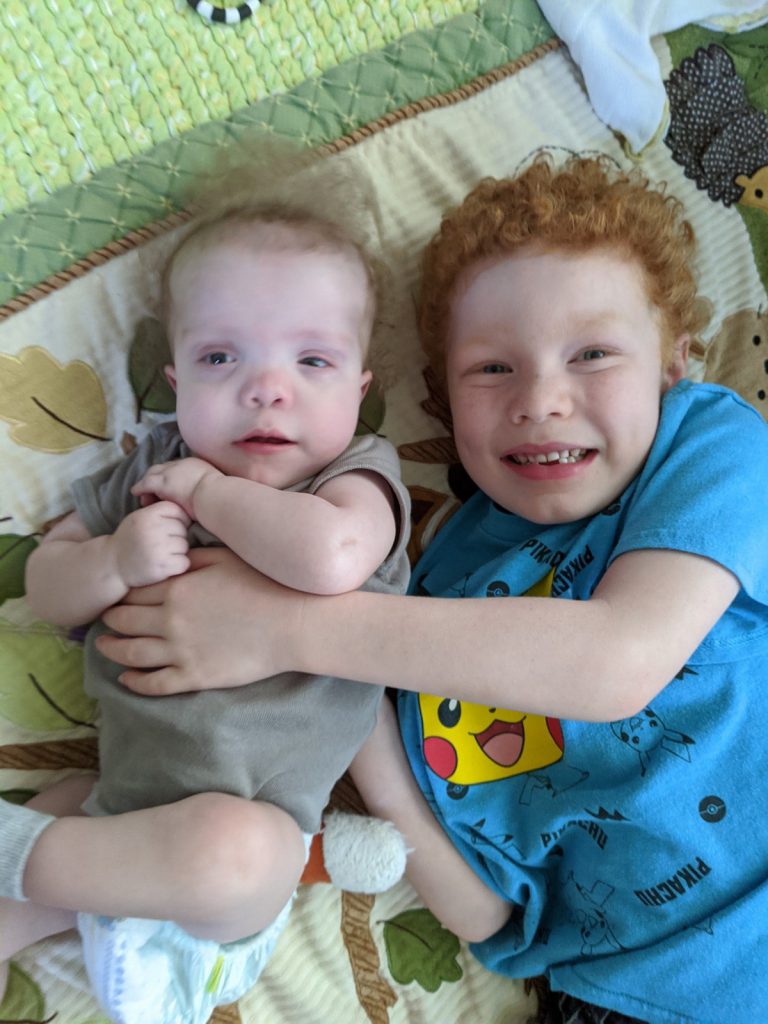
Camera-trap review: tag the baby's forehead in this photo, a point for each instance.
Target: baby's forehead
(258, 236)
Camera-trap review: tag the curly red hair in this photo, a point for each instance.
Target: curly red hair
(583, 205)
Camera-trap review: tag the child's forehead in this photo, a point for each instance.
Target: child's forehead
(576, 289)
(544, 269)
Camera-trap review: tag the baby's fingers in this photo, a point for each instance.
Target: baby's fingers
(170, 510)
(144, 486)
(178, 564)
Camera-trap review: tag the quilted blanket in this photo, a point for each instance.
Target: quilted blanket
(106, 115)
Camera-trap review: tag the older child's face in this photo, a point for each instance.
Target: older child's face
(268, 348)
(554, 375)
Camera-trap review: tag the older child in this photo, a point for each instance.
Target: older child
(269, 312)
(606, 834)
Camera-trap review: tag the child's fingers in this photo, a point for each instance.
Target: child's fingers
(134, 620)
(140, 653)
(160, 683)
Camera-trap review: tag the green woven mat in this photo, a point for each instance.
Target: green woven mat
(85, 85)
(128, 98)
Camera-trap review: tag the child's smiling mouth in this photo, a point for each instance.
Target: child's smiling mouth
(563, 457)
(555, 464)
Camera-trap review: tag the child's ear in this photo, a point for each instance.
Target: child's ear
(170, 375)
(677, 364)
(365, 383)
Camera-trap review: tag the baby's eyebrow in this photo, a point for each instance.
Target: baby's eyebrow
(324, 345)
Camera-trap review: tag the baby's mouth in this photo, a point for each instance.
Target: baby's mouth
(561, 458)
(273, 439)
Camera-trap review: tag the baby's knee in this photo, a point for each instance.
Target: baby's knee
(238, 850)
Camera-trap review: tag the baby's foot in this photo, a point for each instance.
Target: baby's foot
(362, 854)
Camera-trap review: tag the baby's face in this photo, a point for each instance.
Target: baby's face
(268, 347)
(555, 374)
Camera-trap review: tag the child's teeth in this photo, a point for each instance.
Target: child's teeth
(568, 455)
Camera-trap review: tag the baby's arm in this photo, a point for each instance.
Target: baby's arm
(72, 577)
(436, 870)
(329, 542)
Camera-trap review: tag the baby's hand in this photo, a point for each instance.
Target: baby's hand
(151, 544)
(175, 481)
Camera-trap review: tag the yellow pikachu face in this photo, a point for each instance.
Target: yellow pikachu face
(470, 743)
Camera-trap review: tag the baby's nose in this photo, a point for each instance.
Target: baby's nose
(266, 387)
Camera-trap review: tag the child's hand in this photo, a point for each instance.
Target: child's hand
(175, 481)
(151, 544)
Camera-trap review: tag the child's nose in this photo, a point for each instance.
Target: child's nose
(538, 396)
(266, 386)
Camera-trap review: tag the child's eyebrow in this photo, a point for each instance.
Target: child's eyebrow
(598, 321)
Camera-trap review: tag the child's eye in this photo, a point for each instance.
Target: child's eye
(217, 358)
(495, 368)
(593, 353)
(316, 361)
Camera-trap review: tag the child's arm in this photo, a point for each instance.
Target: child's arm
(323, 543)
(72, 577)
(601, 660)
(435, 868)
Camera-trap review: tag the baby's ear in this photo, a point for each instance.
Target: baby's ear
(170, 375)
(677, 364)
(365, 383)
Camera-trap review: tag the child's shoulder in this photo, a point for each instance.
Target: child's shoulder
(710, 407)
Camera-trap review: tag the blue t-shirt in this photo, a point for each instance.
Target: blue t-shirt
(636, 851)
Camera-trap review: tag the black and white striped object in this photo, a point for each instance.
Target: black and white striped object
(223, 14)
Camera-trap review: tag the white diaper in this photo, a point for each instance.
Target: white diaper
(152, 971)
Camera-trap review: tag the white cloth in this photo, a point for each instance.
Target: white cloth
(610, 41)
(20, 828)
(151, 971)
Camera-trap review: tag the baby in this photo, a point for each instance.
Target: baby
(269, 312)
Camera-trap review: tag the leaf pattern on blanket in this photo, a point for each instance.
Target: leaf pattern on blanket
(41, 680)
(14, 551)
(420, 949)
(23, 999)
(51, 407)
(430, 510)
(229, 1014)
(149, 353)
(17, 796)
(374, 992)
(372, 412)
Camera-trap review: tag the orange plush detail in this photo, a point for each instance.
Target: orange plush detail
(314, 869)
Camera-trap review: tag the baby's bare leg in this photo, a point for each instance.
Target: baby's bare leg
(219, 866)
(435, 868)
(22, 924)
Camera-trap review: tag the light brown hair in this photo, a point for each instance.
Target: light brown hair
(286, 198)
